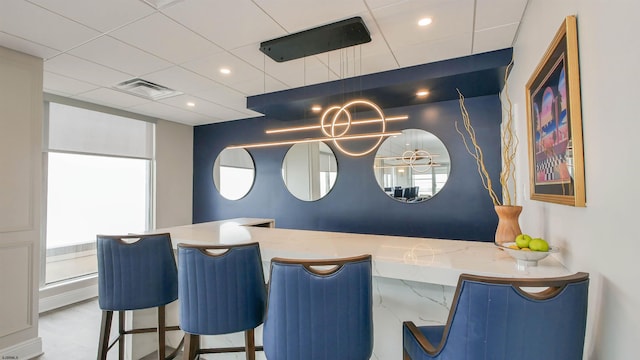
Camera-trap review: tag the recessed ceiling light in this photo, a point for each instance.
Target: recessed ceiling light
(191, 104)
(422, 93)
(316, 108)
(225, 71)
(425, 21)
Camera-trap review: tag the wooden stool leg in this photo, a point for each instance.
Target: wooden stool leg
(191, 346)
(105, 330)
(161, 333)
(121, 334)
(250, 344)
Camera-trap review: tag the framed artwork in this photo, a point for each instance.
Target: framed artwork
(554, 122)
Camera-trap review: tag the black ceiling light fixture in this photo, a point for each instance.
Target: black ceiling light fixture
(318, 40)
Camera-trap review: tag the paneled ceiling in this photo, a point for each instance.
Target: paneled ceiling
(89, 46)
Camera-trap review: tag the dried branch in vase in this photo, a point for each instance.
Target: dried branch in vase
(509, 146)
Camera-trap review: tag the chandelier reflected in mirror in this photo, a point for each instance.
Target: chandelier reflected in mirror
(412, 167)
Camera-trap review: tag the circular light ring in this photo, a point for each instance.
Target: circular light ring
(406, 156)
(411, 157)
(324, 116)
(344, 109)
(336, 117)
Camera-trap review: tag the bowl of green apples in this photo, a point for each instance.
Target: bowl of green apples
(527, 250)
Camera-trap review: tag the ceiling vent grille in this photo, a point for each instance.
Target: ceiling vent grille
(146, 89)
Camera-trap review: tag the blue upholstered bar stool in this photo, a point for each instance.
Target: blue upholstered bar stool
(319, 310)
(507, 319)
(135, 272)
(221, 291)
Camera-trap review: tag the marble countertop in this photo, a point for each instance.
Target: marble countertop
(435, 261)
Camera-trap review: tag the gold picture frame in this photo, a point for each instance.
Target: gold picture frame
(554, 122)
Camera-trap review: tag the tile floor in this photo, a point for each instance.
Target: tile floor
(72, 332)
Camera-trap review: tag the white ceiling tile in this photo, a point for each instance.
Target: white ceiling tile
(292, 73)
(98, 14)
(378, 62)
(494, 13)
(181, 102)
(250, 114)
(58, 83)
(494, 38)
(167, 112)
(81, 69)
(399, 22)
(260, 85)
(301, 15)
(113, 53)
(111, 98)
(243, 22)
(26, 46)
(180, 79)
(41, 26)
(210, 66)
(252, 55)
(165, 38)
(374, 4)
(58, 92)
(289, 74)
(316, 71)
(368, 58)
(204, 107)
(442, 49)
(225, 96)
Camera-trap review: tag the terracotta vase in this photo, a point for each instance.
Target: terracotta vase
(508, 227)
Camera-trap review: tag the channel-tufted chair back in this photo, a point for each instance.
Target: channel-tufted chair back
(319, 310)
(222, 291)
(506, 319)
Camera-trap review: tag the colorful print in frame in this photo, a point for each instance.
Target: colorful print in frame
(554, 122)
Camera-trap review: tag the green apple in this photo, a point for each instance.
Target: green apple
(538, 244)
(523, 240)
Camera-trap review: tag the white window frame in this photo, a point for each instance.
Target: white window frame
(68, 292)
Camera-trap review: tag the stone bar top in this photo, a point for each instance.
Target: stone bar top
(425, 260)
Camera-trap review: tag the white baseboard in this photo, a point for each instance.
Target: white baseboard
(67, 298)
(29, 349)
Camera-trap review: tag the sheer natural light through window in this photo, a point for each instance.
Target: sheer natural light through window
(89, 195)
(234, 181)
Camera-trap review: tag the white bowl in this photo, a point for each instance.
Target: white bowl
(526, 258)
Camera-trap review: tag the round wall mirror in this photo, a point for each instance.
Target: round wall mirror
(309, 170)
(233, 173)
(412, 167)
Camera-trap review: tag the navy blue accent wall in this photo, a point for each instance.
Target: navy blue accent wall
(462, 210)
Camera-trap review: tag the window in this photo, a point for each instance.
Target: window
(98, 170)
(235, 182)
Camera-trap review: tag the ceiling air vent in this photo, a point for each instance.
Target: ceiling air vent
(146, 89)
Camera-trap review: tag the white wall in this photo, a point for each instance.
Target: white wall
(600, 238)
(174, 173)
(20, 179)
